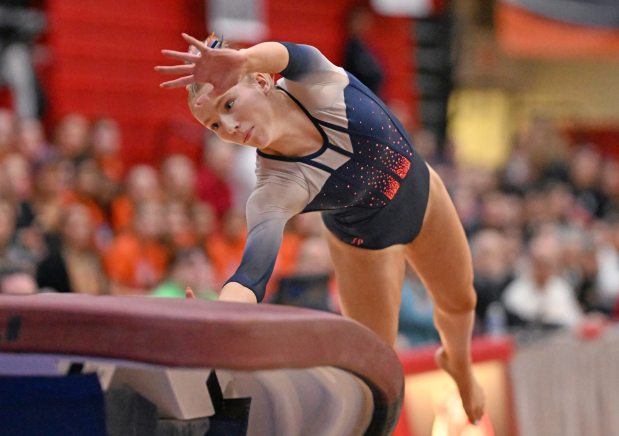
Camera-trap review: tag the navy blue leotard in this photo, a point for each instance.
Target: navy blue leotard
(367, 180)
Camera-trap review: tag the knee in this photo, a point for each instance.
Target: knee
(460, 298)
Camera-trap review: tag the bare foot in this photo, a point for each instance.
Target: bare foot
(470, 391)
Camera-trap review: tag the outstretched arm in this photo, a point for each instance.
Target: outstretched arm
(274, 201)
(222, 67)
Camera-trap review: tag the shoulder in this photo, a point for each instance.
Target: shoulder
(305, 60)
(312, 78)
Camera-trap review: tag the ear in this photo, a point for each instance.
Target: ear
(264, 81)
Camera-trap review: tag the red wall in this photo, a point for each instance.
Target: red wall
(103, 53)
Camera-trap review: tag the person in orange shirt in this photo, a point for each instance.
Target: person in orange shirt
(225, 247)
(178, 177)
(179, 229)
(75, 265)
(88, 190)
(142, 185)
(136, 261)
(105, 142)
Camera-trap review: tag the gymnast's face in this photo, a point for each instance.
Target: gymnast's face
(242, 115)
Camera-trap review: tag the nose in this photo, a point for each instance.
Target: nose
(230, 125)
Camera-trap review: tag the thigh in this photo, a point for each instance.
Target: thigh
(369, 284)
(440, 254)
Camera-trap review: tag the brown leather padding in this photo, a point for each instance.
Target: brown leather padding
(196, 333)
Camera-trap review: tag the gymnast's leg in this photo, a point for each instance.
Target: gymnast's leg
(370, 285)
(441, 257)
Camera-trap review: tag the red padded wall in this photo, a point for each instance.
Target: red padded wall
(103, 53)
(103, 57)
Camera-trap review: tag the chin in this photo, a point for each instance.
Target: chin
(258, 143)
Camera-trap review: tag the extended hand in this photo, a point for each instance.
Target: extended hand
(221, 67)
(471, 393)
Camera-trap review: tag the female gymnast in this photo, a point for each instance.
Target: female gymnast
(326, 143)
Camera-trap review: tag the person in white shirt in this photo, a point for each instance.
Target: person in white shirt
(539, 295)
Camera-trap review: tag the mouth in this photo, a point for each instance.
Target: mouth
(248, 134)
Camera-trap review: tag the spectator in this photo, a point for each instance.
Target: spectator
(203, 221)
(189, 268)
(20, 186)
(105, 139)
(585, 170)
(178, 179)
(71, 138)
(49, 195)
(142, 185)
(609, 186)
(581, 268)
(16, 281)
(492, 272)
(297, 230)
(105, 144)
(7, 132)
(500, 210)
(225, 247)
(12, 253)
(88, 190)
(76, 266)
(358, 57)
(608, 263)
(416, 326)
(136, 260)
(230, 165)
(311, 284)
(19, 26)
(546, 149)
(212, 184)
(178, 226)
(32, 143)
(539, 296)
(466, 202)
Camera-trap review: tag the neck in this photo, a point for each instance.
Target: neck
(294, 133)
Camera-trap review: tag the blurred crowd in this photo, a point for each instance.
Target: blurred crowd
(543, 228)
(73, 218)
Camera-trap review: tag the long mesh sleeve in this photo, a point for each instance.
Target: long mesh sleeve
(269, 207)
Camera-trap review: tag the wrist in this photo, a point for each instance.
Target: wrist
(246, 61)
(236, 292)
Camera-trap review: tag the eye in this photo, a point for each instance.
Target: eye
(229, 104)
(214, 126)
